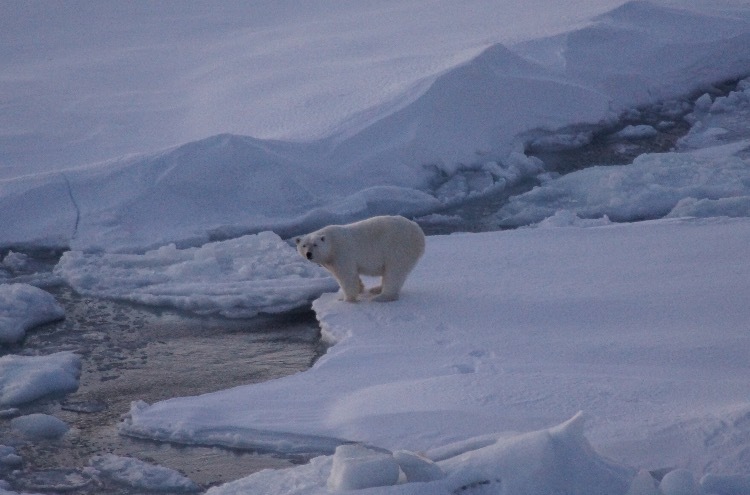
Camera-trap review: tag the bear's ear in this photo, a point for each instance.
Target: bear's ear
(322, 238)
(297, 240)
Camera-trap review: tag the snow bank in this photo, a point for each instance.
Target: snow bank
(473, 113)
(238, 278)
(140, 475)
(22, 307)
(641, 325)
(27, 378)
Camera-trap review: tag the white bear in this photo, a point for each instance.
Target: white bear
(385, 246)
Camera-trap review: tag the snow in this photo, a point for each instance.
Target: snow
(39, 426)
(140, 475)
(642, 325)
(24, 306)
(26, 378)
(159, 145)
(469, 99)
(554, 460)
(237, 278)
(90, 83)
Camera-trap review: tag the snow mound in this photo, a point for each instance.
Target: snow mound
(555, 460)
(22, 307)
(27, 378)
(39, 426)
(238, 278)
(141, 475)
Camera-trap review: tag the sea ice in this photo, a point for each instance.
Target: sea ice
(356, 467)
(679, 482)
(479, 105)
(24, 306)
(27, 378)
(642, 324)
(140, 475)
(237, 278)
(39, 426)
(710, 181)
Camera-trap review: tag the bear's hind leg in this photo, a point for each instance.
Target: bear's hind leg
(393, 280)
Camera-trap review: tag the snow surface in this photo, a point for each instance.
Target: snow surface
(22, 307)
(27, 378)
(92, 81)
(468, 99)
(238, 278)
(643, 326)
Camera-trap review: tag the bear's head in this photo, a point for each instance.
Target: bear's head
(314, 247)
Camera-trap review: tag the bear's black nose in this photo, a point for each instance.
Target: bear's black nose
(309, 255)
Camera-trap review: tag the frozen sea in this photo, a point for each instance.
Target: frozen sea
(583, 328)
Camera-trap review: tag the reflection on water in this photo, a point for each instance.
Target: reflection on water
(136, 353)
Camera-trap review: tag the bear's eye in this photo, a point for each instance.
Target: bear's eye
(323, 239)
(297, 240)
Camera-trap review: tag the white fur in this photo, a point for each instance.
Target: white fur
(385, 246)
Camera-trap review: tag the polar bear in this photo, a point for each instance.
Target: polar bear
(385, 246)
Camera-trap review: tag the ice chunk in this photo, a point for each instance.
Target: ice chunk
(679, 482)
(416, 467)
(39, 426)
(9, 457)
(141, 475)
(356, 467)
(723, 207)
(725, 484)
(643, 484)
(703, 104)
(22, 307)
(15, 261)
(237, 278)
(633, 132)
(27, 378)
(556, 460)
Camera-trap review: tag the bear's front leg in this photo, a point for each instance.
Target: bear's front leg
(351, 284)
